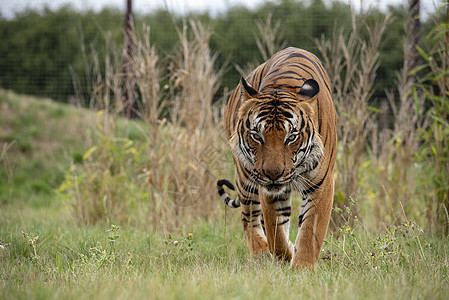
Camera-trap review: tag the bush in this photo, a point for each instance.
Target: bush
(434, 87)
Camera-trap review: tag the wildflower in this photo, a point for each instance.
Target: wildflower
(175, 243)
(190, 234)
(348, 229)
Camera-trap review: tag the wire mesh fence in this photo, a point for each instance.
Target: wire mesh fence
(46, 53)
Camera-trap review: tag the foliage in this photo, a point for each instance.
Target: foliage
(104, 185)
(38, 49)
(434, 87)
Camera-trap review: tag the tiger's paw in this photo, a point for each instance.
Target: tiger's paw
(299, 265)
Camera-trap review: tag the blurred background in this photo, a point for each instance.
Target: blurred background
(42, 40)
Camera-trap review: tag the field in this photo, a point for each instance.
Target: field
(47, 252)
(97, 205)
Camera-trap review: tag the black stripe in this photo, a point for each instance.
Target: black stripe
(301, 220)
(283, 222)
(306, 211)
(283, 208)
(261, 76)
(285, 214)
(277, 200)
(316, 186)
(315, 64)
(249, 189)
(254, 213)
(249, 202)
(306, 202)
(318, 114)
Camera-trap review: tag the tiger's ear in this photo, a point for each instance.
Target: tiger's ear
(309, 89)
(247, 89)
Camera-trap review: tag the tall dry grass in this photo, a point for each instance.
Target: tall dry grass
(351, 62)
(269, 39)
(181, 174)
(163, 173)
(376, 162)
(393, 156)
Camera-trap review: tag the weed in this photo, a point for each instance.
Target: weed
(32, 240)
(104, 174)
(179, 250)
(99, 257)
(113, 235)
(355, 247)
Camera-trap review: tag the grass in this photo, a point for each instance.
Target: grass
(74, 262)
(46, 253)
(38, 139)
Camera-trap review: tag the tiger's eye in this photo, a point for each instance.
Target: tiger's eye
(256, 137)
(291, 139)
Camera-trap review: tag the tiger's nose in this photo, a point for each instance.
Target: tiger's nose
(273, 174)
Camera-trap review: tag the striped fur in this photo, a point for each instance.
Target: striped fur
(281, 127)
(226, 199)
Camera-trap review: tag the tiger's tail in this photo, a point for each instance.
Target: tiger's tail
(227, 200)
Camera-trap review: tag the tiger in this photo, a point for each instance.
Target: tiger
(280, 124)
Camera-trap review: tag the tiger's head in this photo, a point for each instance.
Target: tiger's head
(275, 138)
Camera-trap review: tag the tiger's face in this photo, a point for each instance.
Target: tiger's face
(276, 139)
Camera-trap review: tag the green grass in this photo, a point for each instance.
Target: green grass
(82, 262)
(39, 139)
(46, 254)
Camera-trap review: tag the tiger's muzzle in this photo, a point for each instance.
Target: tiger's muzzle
(274, 182)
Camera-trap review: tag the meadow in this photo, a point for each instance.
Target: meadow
(46, 253)
(95, 205)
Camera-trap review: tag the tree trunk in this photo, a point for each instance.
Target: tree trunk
(129, 101)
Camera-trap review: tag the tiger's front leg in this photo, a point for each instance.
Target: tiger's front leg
(252, 225)
(314, 218)
(276, 213)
